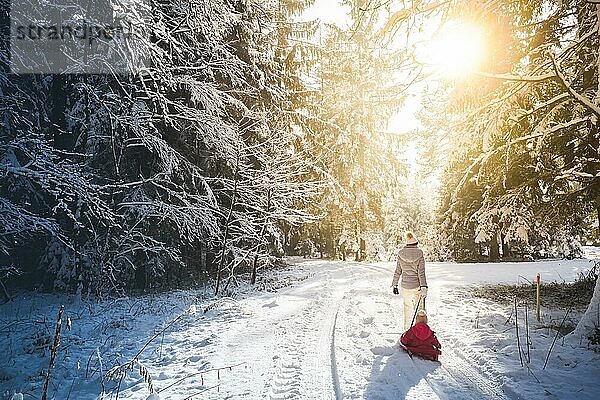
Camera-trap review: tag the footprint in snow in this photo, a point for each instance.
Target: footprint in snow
(162, 376)
(271, 304)
(204, 342)
(383, 351)
(367, 320)
(194, 359)
(360, 360)
(363, 334)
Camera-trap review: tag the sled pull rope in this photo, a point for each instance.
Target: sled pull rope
(415, 314)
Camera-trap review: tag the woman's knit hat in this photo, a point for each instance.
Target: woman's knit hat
(411, 238)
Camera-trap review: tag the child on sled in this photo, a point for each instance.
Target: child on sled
(421, 340)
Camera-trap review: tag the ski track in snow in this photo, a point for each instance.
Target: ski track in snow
(303, 367)
(334, 371)
(464, 368)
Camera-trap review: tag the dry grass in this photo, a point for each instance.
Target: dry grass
(575, 295)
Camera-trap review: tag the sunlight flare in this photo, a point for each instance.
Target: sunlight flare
(458, 49)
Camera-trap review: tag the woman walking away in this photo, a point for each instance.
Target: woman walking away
(411, 266)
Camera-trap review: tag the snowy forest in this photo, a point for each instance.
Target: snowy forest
(259, 129)
(209, 199)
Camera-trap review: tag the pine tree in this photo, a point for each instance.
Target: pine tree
(127, 181)
(532, 135)
(347, 122)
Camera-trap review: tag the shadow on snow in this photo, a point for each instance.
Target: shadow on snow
(394, 375)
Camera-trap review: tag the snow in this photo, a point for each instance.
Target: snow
(330, 334)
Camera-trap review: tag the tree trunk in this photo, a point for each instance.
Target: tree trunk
(227, 223)
(598, 212)
(202, 258)
(260, 239)
(356, 239)
(494, 248)
(321, 243)
(589, 321)
(362, 249)
(505, 248)
(333, 245)
(597, 102)
(4, 291)
(591, 318)
(256, 253)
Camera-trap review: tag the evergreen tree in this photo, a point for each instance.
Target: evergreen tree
(347, 126)
(531, 141)
(159, 177)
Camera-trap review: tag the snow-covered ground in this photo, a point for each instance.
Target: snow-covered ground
(331, 334)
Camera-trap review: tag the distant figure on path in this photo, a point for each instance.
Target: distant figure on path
(411, 266)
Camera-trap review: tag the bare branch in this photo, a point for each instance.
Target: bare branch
(517, 78)
(582, 99)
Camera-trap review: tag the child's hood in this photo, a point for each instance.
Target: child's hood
(422, 331)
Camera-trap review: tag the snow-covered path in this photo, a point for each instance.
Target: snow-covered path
(332, 335)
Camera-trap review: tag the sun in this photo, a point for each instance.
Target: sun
(458, 49)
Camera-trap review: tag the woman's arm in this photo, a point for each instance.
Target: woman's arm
(421, 271)
(397, 273)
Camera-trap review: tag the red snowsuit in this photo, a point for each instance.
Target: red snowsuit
(421, 340)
